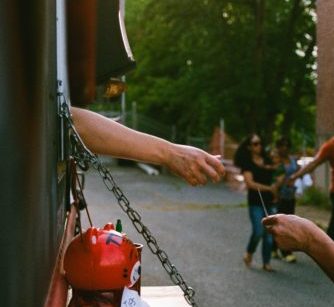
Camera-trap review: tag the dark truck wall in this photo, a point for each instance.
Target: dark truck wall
(30, 199)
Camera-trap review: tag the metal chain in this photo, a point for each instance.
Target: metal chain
(84, 157)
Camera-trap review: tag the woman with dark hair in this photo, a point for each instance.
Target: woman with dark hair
(257, 171)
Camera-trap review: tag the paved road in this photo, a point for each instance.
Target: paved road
(204, 231)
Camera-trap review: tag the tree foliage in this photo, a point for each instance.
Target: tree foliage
(251, 62)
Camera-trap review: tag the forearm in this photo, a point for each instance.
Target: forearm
(306, 169)
(258, 186)
(105, 136)
(321, 249)
(253, 185)
(280, 180)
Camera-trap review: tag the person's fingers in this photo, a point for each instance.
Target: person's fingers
(200, 177)
(216, 164)
(193, 176)
(188, 176)
(269, 223)
(269, 220)
(271, 229)
(193, 182)
(203, 180)
(207, 167)
(210, 172)
(196, 166)
(273, 219)
(198, 180)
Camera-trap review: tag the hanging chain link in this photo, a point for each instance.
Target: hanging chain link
(84, 157)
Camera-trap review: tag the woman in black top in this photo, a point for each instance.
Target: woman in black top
(257, 171)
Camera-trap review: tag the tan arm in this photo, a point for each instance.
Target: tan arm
(105, 136)
(295, 233)
(251, 184)
(307, 168)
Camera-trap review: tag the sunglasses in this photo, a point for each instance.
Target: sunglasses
(256, 143)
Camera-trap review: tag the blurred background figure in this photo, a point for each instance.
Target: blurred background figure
(278, 172)
(257, 170)
(286, 195)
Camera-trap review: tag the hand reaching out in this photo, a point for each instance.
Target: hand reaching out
(291, 232)
(105, 136)
(194, 165)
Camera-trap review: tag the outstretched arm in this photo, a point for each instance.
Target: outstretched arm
(295, 233)
(310, 167)
(105, 136)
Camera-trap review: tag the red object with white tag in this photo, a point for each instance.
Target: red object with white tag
(101, 260)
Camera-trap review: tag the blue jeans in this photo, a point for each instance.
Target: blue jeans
(256, 215)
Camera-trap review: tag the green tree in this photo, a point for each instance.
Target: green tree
(248, 61)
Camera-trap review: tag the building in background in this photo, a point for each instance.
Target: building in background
(325, 85)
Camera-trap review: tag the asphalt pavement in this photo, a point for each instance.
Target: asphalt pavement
(204, 231)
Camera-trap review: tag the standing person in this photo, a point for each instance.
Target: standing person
(325, 153)
(286, 194)
(257, 171)
(278, 171)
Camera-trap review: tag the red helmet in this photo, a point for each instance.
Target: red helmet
(101, 259)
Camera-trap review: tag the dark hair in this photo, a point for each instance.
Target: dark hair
(283, 141)
(243, 157)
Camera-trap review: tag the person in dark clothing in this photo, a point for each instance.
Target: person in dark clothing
(257, 170)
